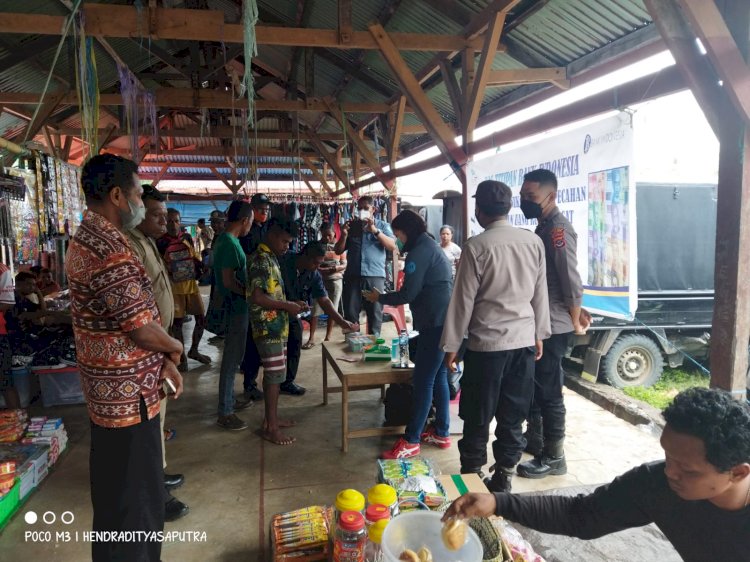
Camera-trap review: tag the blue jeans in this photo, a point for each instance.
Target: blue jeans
(430, 380)
(234, 351)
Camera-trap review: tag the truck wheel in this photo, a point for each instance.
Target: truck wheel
(633, 360)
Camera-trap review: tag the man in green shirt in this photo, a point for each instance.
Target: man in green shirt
(269, 318)
(230, 270)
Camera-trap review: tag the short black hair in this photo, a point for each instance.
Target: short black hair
(277, 224)
(367, 198)
(447, 227)
(326, 226)
(314, 249)
(36, 269)
(542, 177)
(411, 224)
(201, 221)
(44, 270)
(103, 172)
(25, 276)
(714, 417)
(150, 193)
(238, 210)
(173, 211)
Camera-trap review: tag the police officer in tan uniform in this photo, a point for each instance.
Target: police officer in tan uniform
(547, 418)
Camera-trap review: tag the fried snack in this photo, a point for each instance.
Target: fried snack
(454, 534)
(424, 554)
(409, 555)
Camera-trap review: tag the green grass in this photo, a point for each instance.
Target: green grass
(669, 385)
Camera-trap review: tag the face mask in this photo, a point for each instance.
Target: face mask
(399, 245)
(133, 217)
(530, 209)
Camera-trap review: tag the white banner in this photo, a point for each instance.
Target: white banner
(596, 192)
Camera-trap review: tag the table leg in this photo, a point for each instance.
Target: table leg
(382, 392)
(345, 414)
(325, 378)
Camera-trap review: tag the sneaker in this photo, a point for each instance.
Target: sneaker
(231, 422)
(254, 393)
(242, 403)
(292, 389)
(402, 450)
(431, 438)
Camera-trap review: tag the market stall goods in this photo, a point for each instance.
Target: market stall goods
(454, 534)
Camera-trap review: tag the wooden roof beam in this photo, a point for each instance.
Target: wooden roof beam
(722, 50)
(372, 160)
(310, 187)
(556, 75)
(317, 175)
(160, 176)
(443, 136)
(110, 20)
(330, 158)
(217, 132)
(198, 99)
(397, 128)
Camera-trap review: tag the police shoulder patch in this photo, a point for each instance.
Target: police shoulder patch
(411, 267)
(558, 237)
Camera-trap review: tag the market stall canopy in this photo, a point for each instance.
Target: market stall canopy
(341, 89)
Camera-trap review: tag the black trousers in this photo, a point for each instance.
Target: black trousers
(293, 349)
(127, 488)
(251, 362)
(353, 302)
(548, 388)
(500, 385)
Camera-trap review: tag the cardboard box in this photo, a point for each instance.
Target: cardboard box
(456, 485)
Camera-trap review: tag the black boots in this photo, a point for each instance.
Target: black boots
(550, 462)
(500, 481)
(533, 435)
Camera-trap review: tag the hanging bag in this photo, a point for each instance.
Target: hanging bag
(217, 315)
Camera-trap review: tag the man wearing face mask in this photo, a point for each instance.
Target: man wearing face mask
(124, 356)
(500, 300)
(366, 240)
(546, 428)
(261, 206)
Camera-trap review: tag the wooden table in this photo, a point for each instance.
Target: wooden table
(358, 376)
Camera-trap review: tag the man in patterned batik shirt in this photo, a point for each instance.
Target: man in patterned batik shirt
(124, 356)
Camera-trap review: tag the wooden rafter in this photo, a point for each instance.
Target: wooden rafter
(49, 105)
(440, 132)
(231, 186)
(330, 158)
(555, 75)
(160, 175)
(359, 143)
(310, 187)
(216, 132)
(198, 99)
(397, 128)
(109, 20)
(474, 99)
(454, 92)
(317, 174)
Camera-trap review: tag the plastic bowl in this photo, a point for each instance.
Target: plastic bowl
(423, 528)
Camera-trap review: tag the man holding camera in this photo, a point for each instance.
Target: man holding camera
(366, 239)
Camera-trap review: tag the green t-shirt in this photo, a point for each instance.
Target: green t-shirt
(228, 254)
(271, 326)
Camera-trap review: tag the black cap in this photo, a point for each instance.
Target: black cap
(259, 199)
(218, 215)
(239, 210)
(494, 197)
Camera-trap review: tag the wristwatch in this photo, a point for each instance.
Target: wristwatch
(377, 233)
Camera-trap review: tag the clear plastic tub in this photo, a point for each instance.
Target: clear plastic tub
(416, 529)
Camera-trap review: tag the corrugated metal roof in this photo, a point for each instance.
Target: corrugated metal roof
(556, 32)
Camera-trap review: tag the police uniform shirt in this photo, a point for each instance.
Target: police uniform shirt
(563, 280)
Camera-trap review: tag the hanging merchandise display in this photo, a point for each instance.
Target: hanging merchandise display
(87, 84)
(24, 216)
(59, 200)
(140, 110)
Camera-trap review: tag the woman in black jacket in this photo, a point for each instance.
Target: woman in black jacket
(427, 289)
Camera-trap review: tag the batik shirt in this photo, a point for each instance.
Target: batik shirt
(264, 273)
(111, 296)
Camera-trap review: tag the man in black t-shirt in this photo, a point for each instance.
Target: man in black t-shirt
(699, 496)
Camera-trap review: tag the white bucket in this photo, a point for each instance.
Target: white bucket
(423, 528)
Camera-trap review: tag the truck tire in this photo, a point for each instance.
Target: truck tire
(633, 360)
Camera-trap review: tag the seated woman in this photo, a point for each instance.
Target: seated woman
(427, 289)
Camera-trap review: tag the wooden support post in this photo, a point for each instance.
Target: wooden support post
(454, 92)
(223, 180)
(310, 187)
(372, 159)
(66, 147)
(731, 323)
(309, 74)
(50, 143)
(440, 132)
(49, 105)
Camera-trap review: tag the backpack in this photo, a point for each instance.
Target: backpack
(179, 259)
(399, 402)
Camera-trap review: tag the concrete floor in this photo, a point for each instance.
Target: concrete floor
(235, 481)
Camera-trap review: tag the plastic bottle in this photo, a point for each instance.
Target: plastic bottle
(394, 351)
(373, 552)
(350, 539)
(403, 349)
(348, 500)
(375, 512)
(385, 495)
